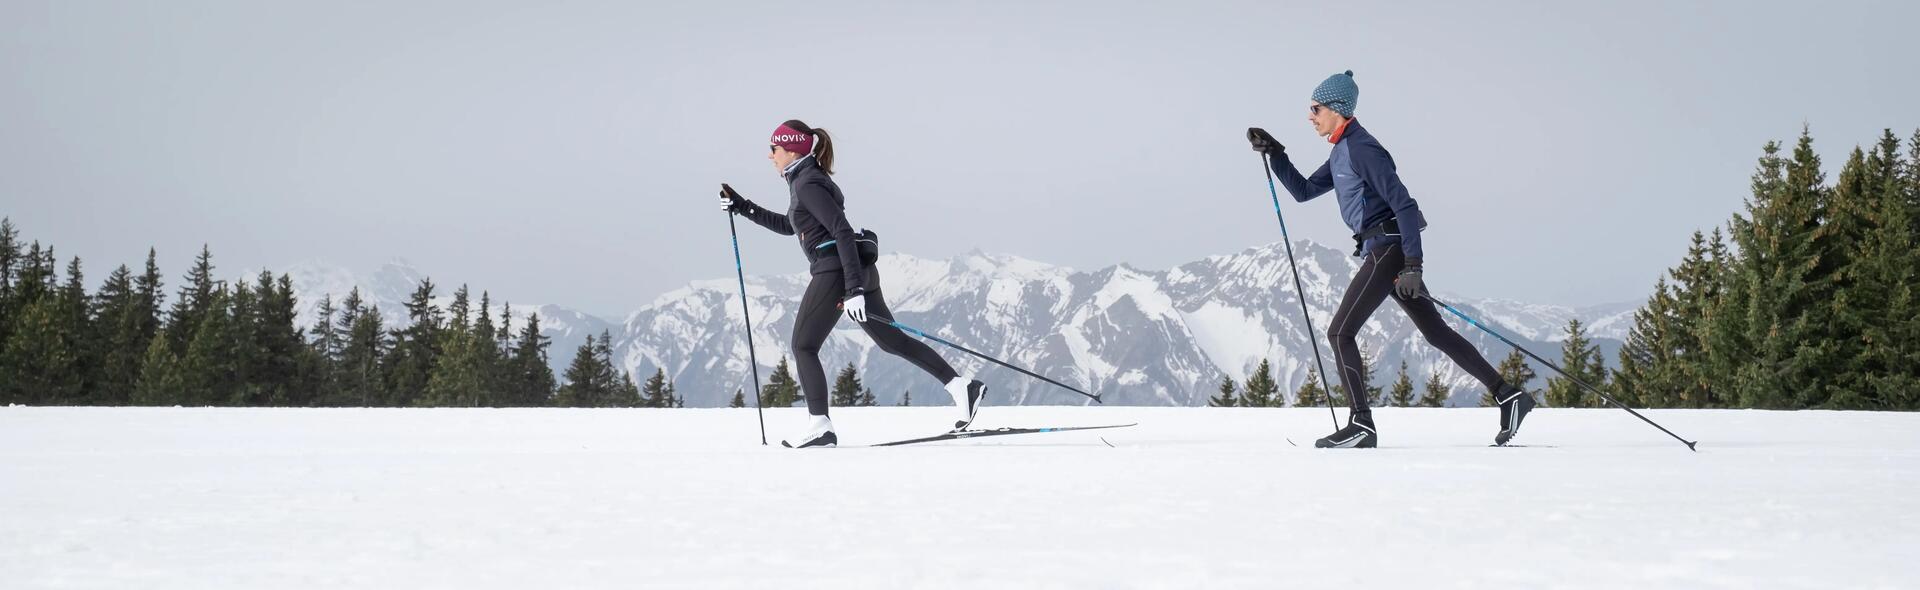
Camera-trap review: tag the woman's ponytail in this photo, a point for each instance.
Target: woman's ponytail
(823, 153)
(822, 146)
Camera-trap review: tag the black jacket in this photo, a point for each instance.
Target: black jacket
(817, 213)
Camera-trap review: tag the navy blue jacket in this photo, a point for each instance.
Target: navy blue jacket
(817, 212)
(1362, 175)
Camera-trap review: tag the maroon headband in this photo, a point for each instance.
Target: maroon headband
(800, 143)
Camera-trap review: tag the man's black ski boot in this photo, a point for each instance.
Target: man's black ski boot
(1514, 405)
(1359, 434)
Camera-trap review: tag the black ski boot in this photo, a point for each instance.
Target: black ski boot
(1359, 434)
(1514, 405)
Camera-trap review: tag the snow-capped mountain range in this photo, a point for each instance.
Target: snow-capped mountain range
(1138, 337)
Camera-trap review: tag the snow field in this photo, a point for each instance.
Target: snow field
(1193, 497)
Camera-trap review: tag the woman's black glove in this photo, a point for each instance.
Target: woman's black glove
(732, 202)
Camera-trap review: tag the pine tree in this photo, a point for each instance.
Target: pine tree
(1515, 371)
(1719, 336)
(10, 259)
(243, 349)
(416, 349)
(77, 329)
(1645, 376)
(364, 354)
(280, 351)
(846, 388)
(739, 399)
(656, 393)
(1686, 368)
(149, 294)
(613, 380)
(1436, 392)
(207, 370)
(503, 335)
(327, 345)
(455, 380)
(160, 381)
(460, 312)
(781, 390)
(121, 345)
(1893, 343)
(1787, 300)
(488, 361)
(1401, 396)
(1229, 395)
(906, 398)
(196, 296)
(1580, 358)
(532, 378)
(40, 354)
(35, 278)
(1312, 393)
(41, 361)
(625, 394)
(584, 387)
(1262, 391)
(1874, 305)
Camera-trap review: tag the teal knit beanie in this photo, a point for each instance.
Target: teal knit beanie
(1339, 93)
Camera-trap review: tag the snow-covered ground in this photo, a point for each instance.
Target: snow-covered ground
(1192, 498)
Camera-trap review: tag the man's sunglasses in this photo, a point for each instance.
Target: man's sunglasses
(1315, 109)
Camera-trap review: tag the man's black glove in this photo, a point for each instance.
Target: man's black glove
(732, 202)
(1264, 142)
(1409, 285)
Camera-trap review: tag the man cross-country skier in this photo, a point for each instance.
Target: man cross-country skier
(1386, 222)
(844, 277)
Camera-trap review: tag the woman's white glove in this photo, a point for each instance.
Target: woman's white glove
(856, 307)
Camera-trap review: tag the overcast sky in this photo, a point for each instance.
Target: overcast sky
(568, 152)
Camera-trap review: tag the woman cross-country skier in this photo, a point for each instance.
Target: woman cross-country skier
(1386, 222)
(844, 277)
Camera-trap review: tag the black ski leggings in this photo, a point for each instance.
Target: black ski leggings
(1371, 286)
(820, 311)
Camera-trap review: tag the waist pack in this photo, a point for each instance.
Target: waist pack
(1389, 227)
(867, 242)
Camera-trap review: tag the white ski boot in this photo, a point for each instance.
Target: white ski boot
(967, 394)
(819, 433)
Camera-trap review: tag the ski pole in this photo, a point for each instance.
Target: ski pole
(753, 359)
(1266, 166)
(1563, 373)
(915, 331)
